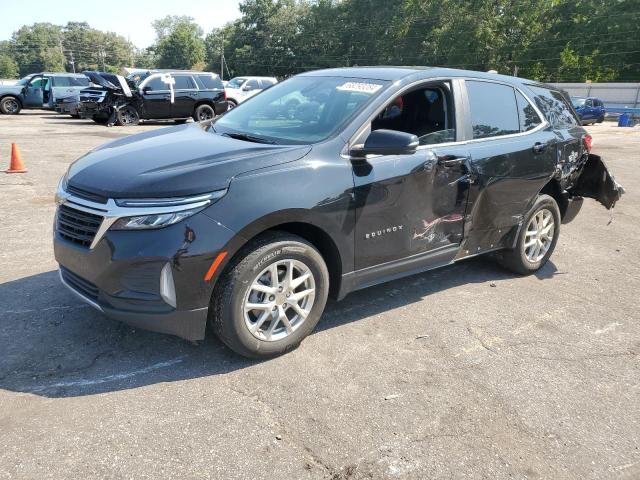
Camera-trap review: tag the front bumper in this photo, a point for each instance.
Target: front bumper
(122, 274)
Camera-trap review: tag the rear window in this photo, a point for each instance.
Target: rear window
(529, 118)
(70, 81)
(493, 109)
(183, 82)
(555, 107)
(209, 82)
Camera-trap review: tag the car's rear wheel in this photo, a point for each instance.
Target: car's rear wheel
(231, 104)
(10, 106)
(270, 297)
(203, 113)
(601, 119)
(128, 116)
(536, 240)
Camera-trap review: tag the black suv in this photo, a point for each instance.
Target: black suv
(250, 221)
(151, 95)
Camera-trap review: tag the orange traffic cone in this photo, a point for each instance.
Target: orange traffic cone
(16, 161)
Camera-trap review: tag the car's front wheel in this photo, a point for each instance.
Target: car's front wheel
(536, 240)
(128, 116)
(10, 106)
(270, 297)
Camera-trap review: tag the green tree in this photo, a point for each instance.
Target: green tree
(8, 67)
(38, 48)
(180, 43)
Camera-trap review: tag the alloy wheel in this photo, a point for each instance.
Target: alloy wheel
(11, 106)
(205, 114)
(539, 235)
(279, 300)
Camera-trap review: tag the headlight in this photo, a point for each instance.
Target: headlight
(157, 220)
(148, 213)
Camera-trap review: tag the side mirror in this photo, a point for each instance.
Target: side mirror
(386, 142)
(246, 88)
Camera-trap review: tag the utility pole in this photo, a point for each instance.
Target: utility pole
(103, 54)
(72, 62)
(222, 58)
(515, 71)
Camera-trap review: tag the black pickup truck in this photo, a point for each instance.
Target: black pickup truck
(151, 95)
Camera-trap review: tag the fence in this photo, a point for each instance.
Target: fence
(617, 97)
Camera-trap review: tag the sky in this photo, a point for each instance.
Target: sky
(131, 19)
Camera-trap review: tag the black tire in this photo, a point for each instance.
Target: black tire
(226, 312)
(203, 112)
(231, 104)
(516, 260)
(10, 105)
(601, 119)
(128, 116)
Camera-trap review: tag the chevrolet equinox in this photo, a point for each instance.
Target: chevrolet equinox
(329, 182)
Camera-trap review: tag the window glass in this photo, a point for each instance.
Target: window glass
(36, 83)
(529, 118)
(301, 110)
(252, 84)
(183, 82)
(577, 102)
(236, 82)
(209, 82)
(588, 103)
(493, 109)
(424, 112)
(156, 84)
(70, 81)
(554, 106)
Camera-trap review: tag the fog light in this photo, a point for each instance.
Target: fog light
(167, 287)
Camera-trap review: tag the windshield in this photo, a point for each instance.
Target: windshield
(236, 82)
(24, 80)
(578, 102)
(300, 110)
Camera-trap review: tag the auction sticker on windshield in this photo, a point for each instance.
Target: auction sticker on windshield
(359, 87)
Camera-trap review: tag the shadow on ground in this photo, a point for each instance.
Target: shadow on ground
(55, 346)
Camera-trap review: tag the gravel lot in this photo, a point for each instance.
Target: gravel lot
(465, 372)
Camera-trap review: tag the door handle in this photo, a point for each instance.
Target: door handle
(539, 147)
(451, 160)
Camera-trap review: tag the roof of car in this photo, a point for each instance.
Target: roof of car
(398, 73)
(56, 74)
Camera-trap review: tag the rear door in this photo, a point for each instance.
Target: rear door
(185, 96)
(513, 156)
(410, 205)
(64, 86)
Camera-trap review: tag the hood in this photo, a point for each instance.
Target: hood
(106, 80)
(171, 162)
(14, 89)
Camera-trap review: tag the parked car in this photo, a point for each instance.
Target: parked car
(69, 105)
(251, 220)
(39, 90)
(240, 88)
(152, 95)
(590, 110)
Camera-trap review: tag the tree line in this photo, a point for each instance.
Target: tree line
(548, 40)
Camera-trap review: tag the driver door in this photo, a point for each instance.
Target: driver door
(33, 95)
(413, 205)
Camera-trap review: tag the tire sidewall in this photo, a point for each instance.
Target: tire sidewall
(199, 108)
(3, 108)
(246, 272)
(542, 202)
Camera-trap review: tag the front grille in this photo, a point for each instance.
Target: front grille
(76, 226)
(78, 283)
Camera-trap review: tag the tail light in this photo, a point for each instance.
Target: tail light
(588, 141)
(225, 93)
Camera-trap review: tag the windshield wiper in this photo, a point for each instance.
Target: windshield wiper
(248, 138)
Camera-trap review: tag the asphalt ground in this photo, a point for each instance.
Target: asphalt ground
(464, 372)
